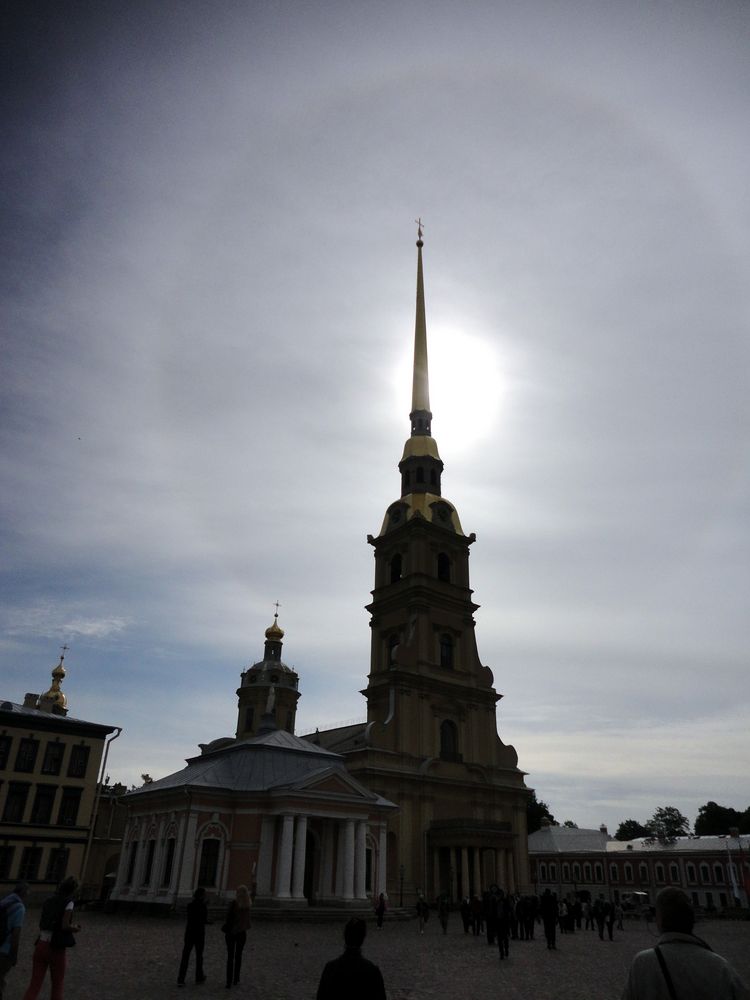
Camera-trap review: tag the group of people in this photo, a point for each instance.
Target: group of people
(57, 932)
(680, 965)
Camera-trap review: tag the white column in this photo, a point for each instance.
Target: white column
(285, 858)
(382, 858)
(300, 843)
(477, 872)
(360, 862)
(265, 856)
(348, 892)
(464, 871)
(326, 876)
(122, 866)
(179, 840)
(340, 853)
(187, 859)
(140, 860)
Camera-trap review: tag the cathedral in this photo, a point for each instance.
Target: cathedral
(423, 797)
(430, 743)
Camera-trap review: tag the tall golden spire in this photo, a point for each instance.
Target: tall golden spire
(420, 394)
(55, 698)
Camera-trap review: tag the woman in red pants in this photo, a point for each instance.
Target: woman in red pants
(56, 930)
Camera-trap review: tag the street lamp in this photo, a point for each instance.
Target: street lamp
(401, 871)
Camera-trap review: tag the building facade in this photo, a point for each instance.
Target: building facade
(713, 871)
(268, 810)
(49, 770)
(430, 742)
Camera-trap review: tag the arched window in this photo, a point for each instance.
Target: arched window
(587, 871)
(705, 875)
(420, 475)
(674, 873)
(444, 567)
(718, 874)
(628, 872)
(396, 567)
(614, 873)
(643, 873)
(576, 872)
(392, 647)
(249, 717)
(543, 872)
(598, 872)
(690, 870)
(659, 872)
(209, 862)
(448, 740)
(566, 872)
(407, 478)
(446, 651)
(433, 477)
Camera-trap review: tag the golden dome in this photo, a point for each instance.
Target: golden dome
(273, 632)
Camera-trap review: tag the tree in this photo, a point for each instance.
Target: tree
(536, 811)
(667, 824)
(631, 829)
(569, 823)
(715, 820)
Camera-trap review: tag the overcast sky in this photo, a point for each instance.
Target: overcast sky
(208, 274)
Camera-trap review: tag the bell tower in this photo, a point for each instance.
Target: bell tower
(431, 741)
(269, 690)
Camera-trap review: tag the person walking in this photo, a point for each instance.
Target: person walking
(352, 975)
(12, 913)
(681, 964)
(549, 911)
(195, 936)
(502, 923)
(600, 914)
(443, 911)
(235, 929)
(56, 930)
(423, 912)
(380, 910)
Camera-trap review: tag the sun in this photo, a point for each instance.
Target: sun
(466, 388)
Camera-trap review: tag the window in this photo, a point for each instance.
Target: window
(15, 802)
(30, 861)
(552, 871)
(566, 872)
(444, 567)
(396, 566)
(26, 756)
(446, 651)
(543, 872)
(628, 872)
(71, 800)
(53, 756)
(209, 862)
(576, 872)
(659, 872)
(705, 874)
(695, 898)
(131, 862)
(5, 744)
(57, 864)
(448, 740)
(150, 850)
(674, 873)
(249, 717)
(44, 800)
(6, 861)
(433, 477)
(643, 872)
(723, 900)
(168, 862)
(718, 874)
(420, 475)
(587, 871)
(392, 647)
(690, 869)
(79, 759)
(599, 872)
(614, 873)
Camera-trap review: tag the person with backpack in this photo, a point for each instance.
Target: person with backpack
(12, 913)
(56, 930)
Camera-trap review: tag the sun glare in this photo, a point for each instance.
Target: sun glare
(466, 388)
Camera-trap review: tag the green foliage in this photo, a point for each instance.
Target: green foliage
(536, 810)
(569, 823)
(631, 829)
(715, 820)
(667, 824)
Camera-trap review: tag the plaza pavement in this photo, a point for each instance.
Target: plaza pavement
(136, 958)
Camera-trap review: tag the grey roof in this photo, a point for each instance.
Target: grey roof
(272, 761)
(340, 740)
(567, 840)
(40, 716)
(692, 844)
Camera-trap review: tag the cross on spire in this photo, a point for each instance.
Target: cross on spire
(420, 227)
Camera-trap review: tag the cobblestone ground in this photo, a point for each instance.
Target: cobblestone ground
(136, 958)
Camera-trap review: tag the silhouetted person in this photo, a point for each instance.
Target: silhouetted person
(351, 976)
(380, 910)
(195, 936)
(14, 912)
(549, 911)
(235, 928)
(681, 964)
